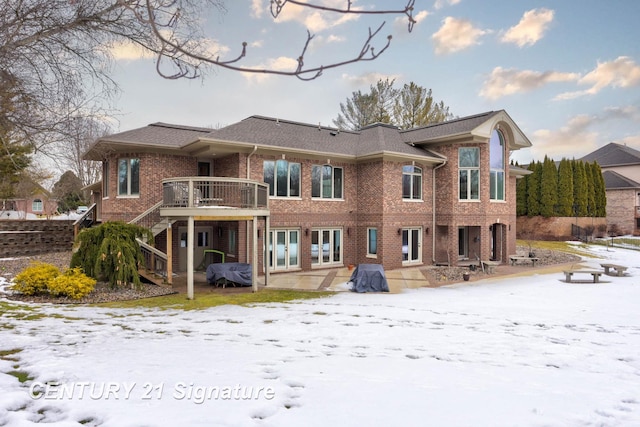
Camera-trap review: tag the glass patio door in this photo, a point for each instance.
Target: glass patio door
(411, 245)
(286, 254)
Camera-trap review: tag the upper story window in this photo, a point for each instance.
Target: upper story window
(128, 177)
(496, 164)
(36, 205)
(283, 178)
(327, 182)
(469, 173)
(411, 183)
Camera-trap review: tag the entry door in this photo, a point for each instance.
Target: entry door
(202, 240)
(286, 254)
(411, 245)
(463, 243)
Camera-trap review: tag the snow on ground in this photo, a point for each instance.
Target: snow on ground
(525, 351)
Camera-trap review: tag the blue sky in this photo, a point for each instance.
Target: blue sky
(567, 72)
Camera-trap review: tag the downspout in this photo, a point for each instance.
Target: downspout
(433, 208)
(249, 230)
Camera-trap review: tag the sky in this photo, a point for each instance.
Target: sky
(567, 72)
(504, 351)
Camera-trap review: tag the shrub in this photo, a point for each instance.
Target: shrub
(73, 284)
(34, 279)
(110, 252)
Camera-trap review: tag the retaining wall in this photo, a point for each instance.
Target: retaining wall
(25, 238)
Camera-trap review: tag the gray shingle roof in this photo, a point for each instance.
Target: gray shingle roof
(614, 154)
(267, 131)
(451, 127)
(615, 181)
(160, 134)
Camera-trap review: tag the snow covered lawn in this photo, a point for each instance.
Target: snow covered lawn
(527, 351)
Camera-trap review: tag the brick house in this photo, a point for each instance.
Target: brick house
(316, 197)
(620, 166)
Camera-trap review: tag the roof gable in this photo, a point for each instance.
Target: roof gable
(614, 154)
(615, 181)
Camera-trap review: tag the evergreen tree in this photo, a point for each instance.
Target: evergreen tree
(521, 194)
(110, 252)
(548, 188)
(414, 106)
(579, 189)
(533, 189)
(600, 191)
(591, 192)
(565, 189)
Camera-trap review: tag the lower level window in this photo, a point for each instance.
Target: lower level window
(372, 241)
(36, 206)
(326, 247)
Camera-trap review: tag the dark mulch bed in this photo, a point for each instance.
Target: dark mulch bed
(103, 292)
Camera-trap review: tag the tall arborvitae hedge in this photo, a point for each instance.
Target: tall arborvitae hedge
(548, 188)
(521, 195)
(579, 189)
(600, 190)
(565, 189)
(533, 189)
(573, 188)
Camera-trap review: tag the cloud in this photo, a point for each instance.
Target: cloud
(367, 79)
(530, 29)
(281, 63)
(442, 3)
(401, 23)
(575, 139)
(621, 72)
(316, 20)
(455, 35)
(127, 51)
(584, 133)
(502, 82)
(257, 8)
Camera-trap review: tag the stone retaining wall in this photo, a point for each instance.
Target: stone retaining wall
(556, 228)
(25, 238)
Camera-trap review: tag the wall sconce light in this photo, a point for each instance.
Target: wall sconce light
(306, 231)
(426, 230)
(399, 231)
(348, 231)
(509, 227)
(491, 228)
(258, 233)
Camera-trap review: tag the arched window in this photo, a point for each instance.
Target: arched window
(496, 159)
(36, 206)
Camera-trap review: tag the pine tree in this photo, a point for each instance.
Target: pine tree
(548, 188)
(565, 189)
(533, 189)
(579, 189)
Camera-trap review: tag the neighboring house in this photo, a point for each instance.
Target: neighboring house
(317, 197)
(620, 166)
(31, 198)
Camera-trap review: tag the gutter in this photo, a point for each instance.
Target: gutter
(433, 208)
